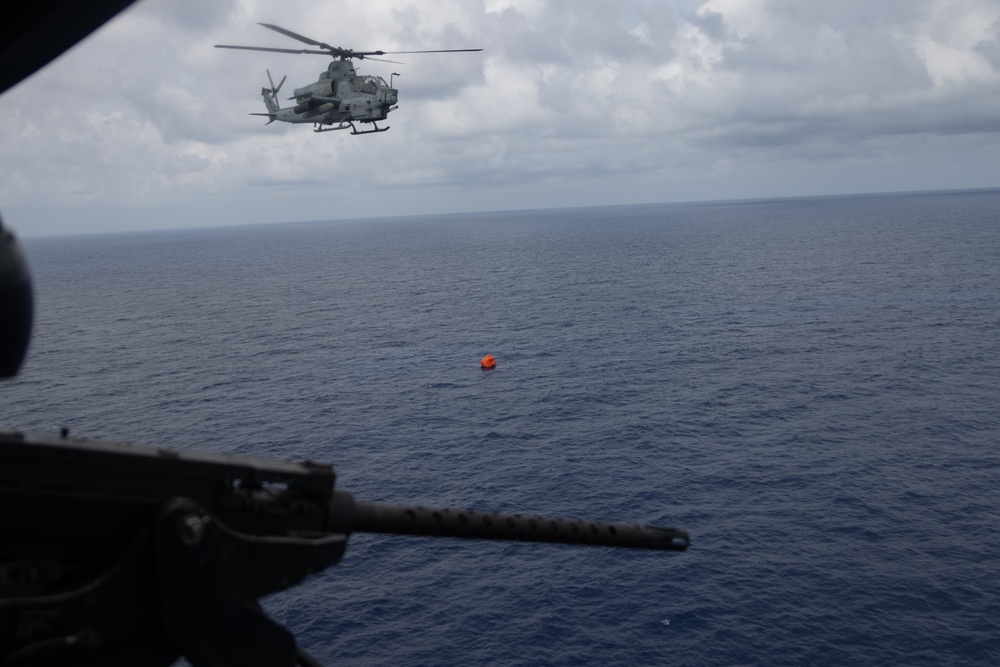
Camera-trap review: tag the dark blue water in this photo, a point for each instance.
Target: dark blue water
(810, 387)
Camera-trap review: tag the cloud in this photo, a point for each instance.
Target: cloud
(571, 101)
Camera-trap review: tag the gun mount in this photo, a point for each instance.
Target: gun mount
(119, 554)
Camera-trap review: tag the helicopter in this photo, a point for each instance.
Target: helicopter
(341, 97)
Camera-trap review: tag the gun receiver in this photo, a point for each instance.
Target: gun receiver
(119, 554)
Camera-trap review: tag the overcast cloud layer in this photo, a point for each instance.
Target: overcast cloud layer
(571, 103)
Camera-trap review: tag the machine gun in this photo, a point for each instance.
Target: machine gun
(118, 554)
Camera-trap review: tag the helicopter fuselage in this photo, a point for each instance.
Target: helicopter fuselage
(340, 96)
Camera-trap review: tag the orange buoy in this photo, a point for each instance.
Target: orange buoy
(488, 361)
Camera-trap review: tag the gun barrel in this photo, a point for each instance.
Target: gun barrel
(349, 516)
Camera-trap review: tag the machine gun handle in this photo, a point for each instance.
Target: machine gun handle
(349, 516)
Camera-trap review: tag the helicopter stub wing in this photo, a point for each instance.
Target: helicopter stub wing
(309, 97)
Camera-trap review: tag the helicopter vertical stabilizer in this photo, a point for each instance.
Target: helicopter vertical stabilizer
(270, 95)
(269, 101)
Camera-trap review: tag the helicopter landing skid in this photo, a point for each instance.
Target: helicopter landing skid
(343, 126)
(348, 124)
(354, 130)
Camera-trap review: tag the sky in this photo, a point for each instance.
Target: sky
(144, 125)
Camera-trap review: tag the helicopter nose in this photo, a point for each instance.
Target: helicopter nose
(391, 98)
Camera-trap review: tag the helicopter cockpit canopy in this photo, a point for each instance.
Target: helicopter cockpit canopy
(367, 84)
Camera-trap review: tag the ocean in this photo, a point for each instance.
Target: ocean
(810, 387)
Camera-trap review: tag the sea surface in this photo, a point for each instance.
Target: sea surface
(810, 387)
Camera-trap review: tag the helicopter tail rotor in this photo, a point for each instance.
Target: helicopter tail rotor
(274, 90)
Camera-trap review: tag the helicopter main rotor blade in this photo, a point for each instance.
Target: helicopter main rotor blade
(434, 51)
(381, 60)
(332, 51)
(265, 48)
(294, 35)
